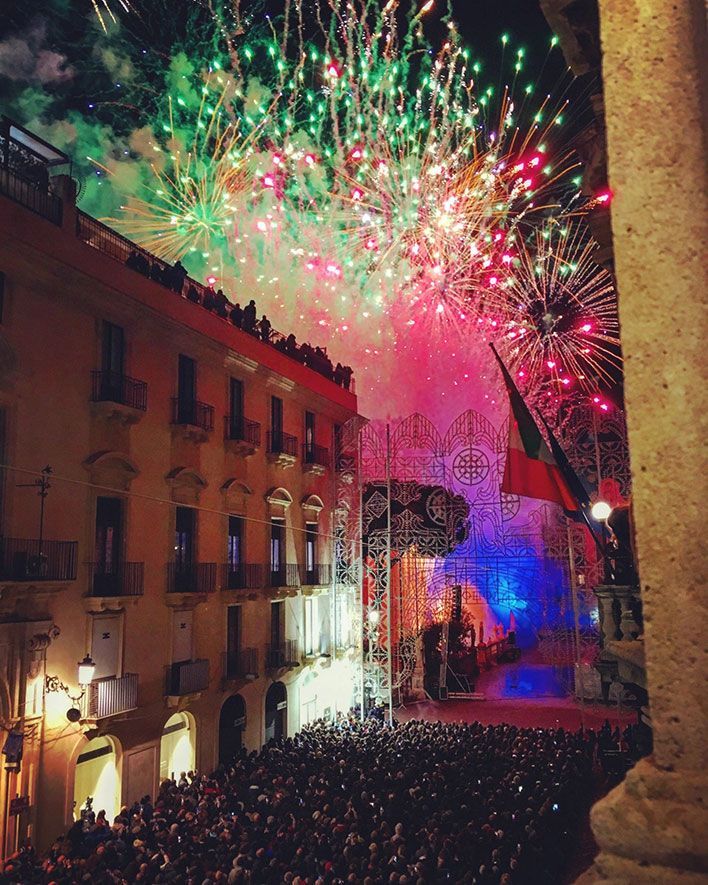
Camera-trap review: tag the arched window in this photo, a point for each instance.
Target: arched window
(276, 712)
(96, 778)
(177, 746)
(232, 723)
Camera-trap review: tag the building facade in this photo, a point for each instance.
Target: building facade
(182, 535)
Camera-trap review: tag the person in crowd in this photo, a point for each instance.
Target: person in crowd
(193, 294)
(249, 317)
(353, 802)
(177, 276)
(265, 328)
(222, 304)
(237, 315)
(347, 373)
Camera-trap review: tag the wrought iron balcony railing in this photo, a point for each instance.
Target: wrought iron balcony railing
(315, 455)
(285, 654)
(33, 560)
(31, 195)
(242, 430)
(280, 443)
(187, 677)
(244, 576)
(242, 664)
(117, 579)
(113, 387)
(199, 577)
(111, 696)
(285, 575)
(320, 575)
(192, 413)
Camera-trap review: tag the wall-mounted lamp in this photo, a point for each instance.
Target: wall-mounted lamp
(86, 668)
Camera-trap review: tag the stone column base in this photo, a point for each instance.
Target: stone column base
(652, 829)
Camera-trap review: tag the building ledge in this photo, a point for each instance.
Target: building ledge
(190, 433)
(282, 592)
(108, 603)
(240, 447)
(182, 700)
(282, 459)
(110, 411)
(631, 664)
(314, 469)
(185, 600)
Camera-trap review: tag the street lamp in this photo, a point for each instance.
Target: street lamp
(86, 669)
(600, 511)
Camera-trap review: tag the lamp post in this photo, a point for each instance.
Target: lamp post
(601, 511)
(86, 669)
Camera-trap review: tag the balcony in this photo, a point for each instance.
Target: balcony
(29, 561)
(187, 677)
(110, 697)
(621, 638)
(318, 576)
(241, 435)
(315, 459)
(284, 655)
(118, 396)
(282, 448)
(241, 664)
(31, 195)
(285, 575)
(241, 576)
(194, 418)
(120, 579)
(199, 577)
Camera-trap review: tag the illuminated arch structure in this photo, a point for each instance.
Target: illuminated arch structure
(515, 557)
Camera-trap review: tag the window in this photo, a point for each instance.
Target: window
(109, 530)
(112, 357)
(3, 456)
(277, 624)
(105, 645)
(276, 422)
(186, 389)
(236, 408)
(310, 616)
(309, 436)
(185, 525)
(234, 551)
(182, 627)
(277, 549)
(311, 550)
(233, 638)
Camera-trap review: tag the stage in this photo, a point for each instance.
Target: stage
(525, 694)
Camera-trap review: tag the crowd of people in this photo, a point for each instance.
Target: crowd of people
(423, 802)
(175, 277)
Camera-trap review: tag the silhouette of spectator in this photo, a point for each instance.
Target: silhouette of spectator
(132, 261)
(156, 273)
(265, 328)
(347, 373)
(237, 315)
(249, 317)
(221, 303)
(193, 294)
(178, 275)
(209, 302)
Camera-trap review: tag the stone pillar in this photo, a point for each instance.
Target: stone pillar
(653, 827)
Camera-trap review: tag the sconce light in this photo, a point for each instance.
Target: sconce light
(86, 669)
